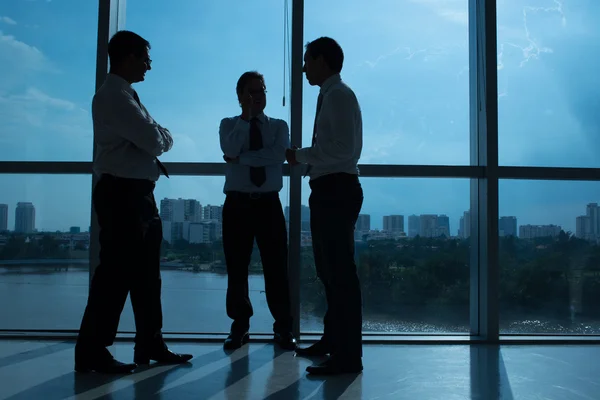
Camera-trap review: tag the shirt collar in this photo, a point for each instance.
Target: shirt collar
(261, 117)
(116, 80)
(329, 82)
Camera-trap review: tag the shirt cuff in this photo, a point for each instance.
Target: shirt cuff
(302, 155)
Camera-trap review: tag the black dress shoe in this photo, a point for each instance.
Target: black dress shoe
(100, 361)
(236, 340)
(286, 341)
(331, 367)
(319, 349)
(159, 353)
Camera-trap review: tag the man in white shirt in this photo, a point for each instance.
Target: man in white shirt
(128, 142)
(254, 147)
(335, 202)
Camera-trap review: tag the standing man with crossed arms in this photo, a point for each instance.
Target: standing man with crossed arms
(335, 202)
(128, 142)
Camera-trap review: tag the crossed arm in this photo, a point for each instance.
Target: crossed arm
(129, 121)
(234, 134)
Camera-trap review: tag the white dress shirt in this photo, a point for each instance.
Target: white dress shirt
(127, 139)
(339, 132)
(234, 135)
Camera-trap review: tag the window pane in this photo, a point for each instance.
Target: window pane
(414, 277)
(48, 58)
(199, 50)
(44, 259)
(547, 96)
(408, 65)
(549, 273)
(194, 275)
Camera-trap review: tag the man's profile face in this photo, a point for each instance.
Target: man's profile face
(140, 65)
(311, 69)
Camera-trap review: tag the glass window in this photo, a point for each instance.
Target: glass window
(44, 258)
(194, 274)
(549, 272)
(408, 65)
(199, 50)
(412, 254)
(548, 97)
(48, 58)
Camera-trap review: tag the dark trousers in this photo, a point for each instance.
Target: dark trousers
(246, 218)
(130, 240)
(335, 202)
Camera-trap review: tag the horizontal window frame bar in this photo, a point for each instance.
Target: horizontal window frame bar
(379, 339)
(366, 170)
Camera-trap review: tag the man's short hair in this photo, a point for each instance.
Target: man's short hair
(247, 77)
(125, 43)
(330, 50)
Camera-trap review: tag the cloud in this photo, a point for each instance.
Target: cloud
(8, 20)
(21, 55)
(452, 10)
(36, 95)
(36, 109)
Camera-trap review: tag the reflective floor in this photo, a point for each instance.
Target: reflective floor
(44, 370)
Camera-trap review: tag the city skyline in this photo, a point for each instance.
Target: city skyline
(193, 211)
(409, 68)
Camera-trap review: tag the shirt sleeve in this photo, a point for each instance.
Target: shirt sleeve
(167, 138)
(335, 132)
(233, 136)
(128, 120)
(271, 155)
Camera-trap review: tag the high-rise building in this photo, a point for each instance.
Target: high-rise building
(428, 225)
(393, 223)
(74, 230)
(583, 228)
(593, 212)
(363, 224)
(180, 210)
(414, 225)
(3, 217)
(443, 226)
(204, 232)
(507, 226)
(25, 218)
(537, 231)
(213, 212)
(464, 230)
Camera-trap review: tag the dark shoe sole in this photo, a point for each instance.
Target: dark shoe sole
(311, 353)
(234, 346)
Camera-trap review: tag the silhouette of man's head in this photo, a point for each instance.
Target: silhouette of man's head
(251, 88)
(323, 58)
(129, 56)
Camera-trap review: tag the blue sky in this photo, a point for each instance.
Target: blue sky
(406, 59)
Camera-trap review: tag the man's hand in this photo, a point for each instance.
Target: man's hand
(290, 155)
(231, 160)
(247, 103)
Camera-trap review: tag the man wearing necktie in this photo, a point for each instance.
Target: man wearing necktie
(128, 143)
(335, 202)
(253, 146)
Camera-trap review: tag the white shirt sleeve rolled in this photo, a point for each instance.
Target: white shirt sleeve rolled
(233, 135)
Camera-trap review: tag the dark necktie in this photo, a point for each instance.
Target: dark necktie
(258, 175)
(314, 137)
(160, 165)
